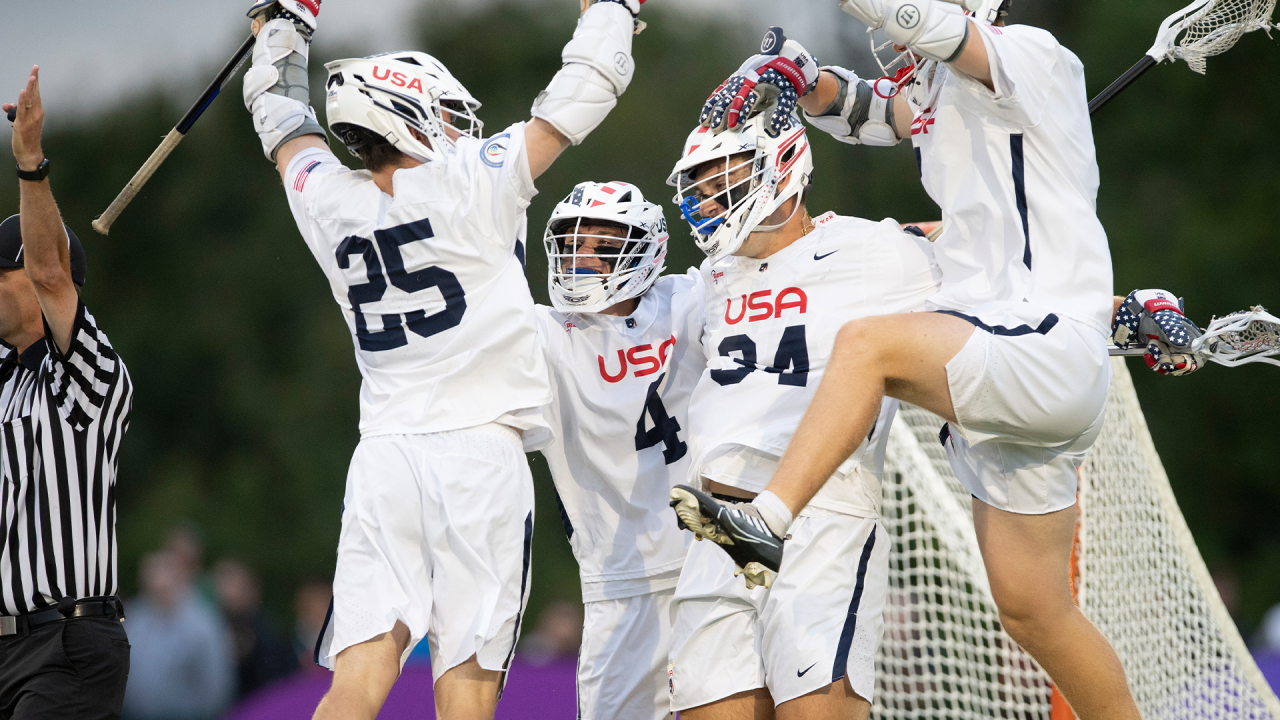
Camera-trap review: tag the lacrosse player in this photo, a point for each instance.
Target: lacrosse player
(424, 250)
(625, 351)
(779, 285)
(1014, 354)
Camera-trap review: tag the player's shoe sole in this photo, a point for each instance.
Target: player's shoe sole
(756, 552)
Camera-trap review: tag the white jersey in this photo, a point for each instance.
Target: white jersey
(621, 389)
(771, 325)
(1016, 176)
(432, 286)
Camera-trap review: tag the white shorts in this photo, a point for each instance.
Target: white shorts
(820, 622)
(622, 667)
(436, 533)
(1029, 390)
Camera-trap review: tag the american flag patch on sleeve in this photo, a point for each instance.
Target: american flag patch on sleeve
(300, 181)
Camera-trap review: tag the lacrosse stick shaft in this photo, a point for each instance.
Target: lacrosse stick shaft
(1131, 352)
(107, 219)
(1146, 63)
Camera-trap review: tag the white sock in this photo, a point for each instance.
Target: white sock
(775, 513)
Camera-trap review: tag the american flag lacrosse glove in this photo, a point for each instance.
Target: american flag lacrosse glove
(780, 75)
(1154, 318)
(302, 13)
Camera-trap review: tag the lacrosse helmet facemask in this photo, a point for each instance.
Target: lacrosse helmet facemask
(751, 176)
(605, 244)
(394, 95)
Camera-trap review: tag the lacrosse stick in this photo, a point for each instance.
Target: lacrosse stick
(140, 178)
(1208, 27)
(1240, 338)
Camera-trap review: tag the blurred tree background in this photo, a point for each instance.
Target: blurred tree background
(246, 406)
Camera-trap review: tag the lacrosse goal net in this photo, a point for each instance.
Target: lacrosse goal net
(1139, 577)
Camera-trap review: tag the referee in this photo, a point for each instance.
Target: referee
(65, 398)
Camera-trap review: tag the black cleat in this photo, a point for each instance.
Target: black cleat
(738, 530)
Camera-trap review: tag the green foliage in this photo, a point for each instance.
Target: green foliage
(246, 408)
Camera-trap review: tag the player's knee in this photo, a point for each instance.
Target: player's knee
(1030, 616)
(860, 341)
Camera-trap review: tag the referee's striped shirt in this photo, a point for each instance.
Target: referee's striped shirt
(63, 417)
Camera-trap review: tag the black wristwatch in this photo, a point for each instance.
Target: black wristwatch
(36, 175)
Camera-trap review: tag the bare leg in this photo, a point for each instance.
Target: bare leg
(836, 701)
(362, 677)
(1028, 558)
(750, 705)
(903, 356)
(467, 692)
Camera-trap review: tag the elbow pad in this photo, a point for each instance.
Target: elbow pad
(597, 69)
(862, 112)
(277, 89)
(935, 29)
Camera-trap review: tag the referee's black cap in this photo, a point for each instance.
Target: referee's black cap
(11, 249)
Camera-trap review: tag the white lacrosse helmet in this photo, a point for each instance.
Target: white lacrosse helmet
(637, 263)
(748, 189)
(391, 94)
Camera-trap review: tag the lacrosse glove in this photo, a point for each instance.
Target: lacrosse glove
(780, 75)
(1155, 318)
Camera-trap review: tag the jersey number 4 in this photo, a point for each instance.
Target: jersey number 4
(666, 429)
(791, 362)
(388, 241)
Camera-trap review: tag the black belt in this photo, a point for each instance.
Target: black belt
(68, 608)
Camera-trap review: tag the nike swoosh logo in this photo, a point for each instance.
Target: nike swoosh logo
(816, 256)
(800, 673)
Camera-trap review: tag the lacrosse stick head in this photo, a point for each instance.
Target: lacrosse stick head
(1209, 27)
(1243, 337)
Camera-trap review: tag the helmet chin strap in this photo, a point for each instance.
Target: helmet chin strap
(771, 228)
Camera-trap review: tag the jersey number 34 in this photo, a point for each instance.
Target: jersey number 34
(389, 242)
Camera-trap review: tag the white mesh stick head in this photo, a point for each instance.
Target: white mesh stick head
(1247, 336)
(1208, 28)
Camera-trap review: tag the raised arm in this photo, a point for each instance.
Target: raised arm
(597, 69)
(277, 89)
(933, 29)
(784, 75)
(46, 248)
(858, 112)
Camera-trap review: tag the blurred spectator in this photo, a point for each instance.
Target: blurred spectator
(186, 541)
(311, 603)
(262, 653)
(1227, 582)
(181, 665)
(557, 635)
(1268, 639)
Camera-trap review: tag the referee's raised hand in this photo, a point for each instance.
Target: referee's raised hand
(27, 115)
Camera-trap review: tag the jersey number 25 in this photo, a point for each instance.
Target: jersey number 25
(389, 241)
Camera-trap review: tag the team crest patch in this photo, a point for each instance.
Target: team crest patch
(494, 150)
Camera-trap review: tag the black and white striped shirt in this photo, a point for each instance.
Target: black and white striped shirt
(63, 418)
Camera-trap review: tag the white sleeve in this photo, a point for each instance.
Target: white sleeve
(1023, 62)
(496, 185)
(305, 181)
(910, 273)
(541, 320)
